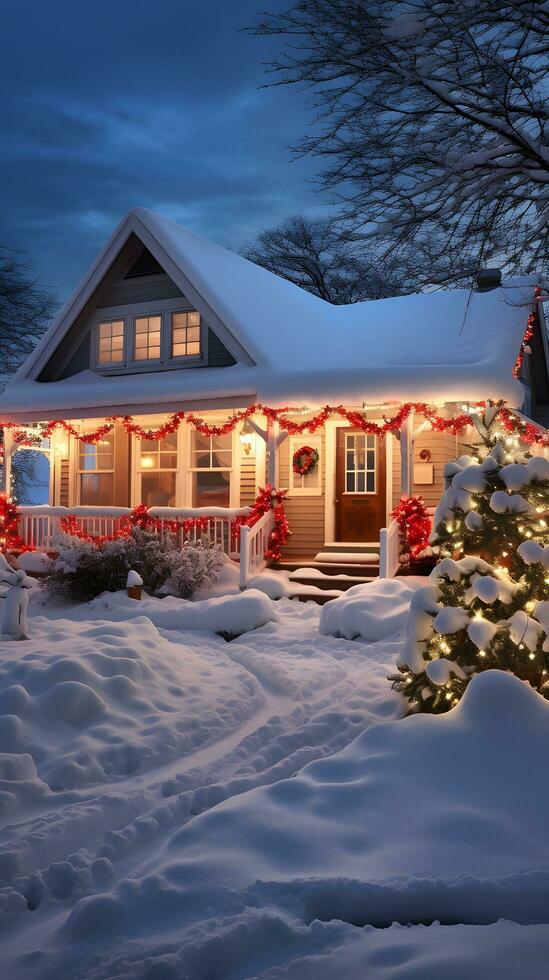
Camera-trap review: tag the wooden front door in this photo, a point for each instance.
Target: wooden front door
(360, 486)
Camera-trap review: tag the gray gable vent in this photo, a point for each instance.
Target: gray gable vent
(144, 265)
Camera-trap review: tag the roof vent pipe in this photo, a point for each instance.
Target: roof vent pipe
(488, 279)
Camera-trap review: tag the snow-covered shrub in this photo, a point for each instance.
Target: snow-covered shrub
(85, 569)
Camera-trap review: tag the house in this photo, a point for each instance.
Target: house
(165, 322)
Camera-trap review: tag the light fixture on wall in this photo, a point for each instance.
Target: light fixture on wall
(147, 462)
(247, 438)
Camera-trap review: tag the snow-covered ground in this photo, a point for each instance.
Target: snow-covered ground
(177, 806)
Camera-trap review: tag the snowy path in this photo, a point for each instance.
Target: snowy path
(302, 697)
(152, 828)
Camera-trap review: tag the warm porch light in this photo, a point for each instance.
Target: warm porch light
(246, 438)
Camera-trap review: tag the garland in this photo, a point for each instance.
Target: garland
(528, 334)
(414, 523)
(529, 432)
(267, 499)
(10, 539)
(304, 460)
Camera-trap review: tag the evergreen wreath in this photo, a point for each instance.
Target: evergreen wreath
(304, 460)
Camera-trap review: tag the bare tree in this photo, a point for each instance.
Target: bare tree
(431, 119)
(25, 309)
(323, 256)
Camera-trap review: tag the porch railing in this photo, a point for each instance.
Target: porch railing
(40, 526)
(389, 550)
(254, 542)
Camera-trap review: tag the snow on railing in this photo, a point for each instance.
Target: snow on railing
(40, 525)
(254, 542)
(389, 550)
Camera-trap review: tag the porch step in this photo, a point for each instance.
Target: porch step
(353, 569)
(353, 547)
(321, 598)
(313, 576)
(347, 557)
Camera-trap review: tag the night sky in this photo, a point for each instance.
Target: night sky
(119, 104)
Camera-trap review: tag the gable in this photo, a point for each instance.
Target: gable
(135, 277)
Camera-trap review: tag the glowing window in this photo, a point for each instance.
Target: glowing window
(186, 334)
(147, 335)
(111, 342)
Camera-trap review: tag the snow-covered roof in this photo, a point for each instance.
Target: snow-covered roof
(291, 346)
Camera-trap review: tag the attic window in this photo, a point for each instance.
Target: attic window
(111, 342)
(147, 337)
(186, 334)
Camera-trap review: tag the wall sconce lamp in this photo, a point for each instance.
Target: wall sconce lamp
(246, 438)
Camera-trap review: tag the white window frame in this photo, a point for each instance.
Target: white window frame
(234, 469)
(146, 360)
(110, 365)
(137, 471)
(297, 486)
(75, 445)
(128, 314)
(363, 493)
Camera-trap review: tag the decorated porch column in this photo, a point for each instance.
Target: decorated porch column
(273, 440)
(406, 449)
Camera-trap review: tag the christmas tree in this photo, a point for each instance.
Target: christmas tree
(487, 602)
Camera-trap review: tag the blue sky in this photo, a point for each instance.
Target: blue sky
(113, 105)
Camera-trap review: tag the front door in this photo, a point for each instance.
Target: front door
(360, 486)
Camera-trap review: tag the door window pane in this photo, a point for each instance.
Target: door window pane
(158, 465)
(360, 463)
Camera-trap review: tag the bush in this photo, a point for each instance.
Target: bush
(84, 569)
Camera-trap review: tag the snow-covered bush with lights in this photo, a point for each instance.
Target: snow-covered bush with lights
(487, 602)
(84, 569)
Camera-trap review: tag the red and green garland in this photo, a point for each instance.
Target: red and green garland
(414, 523)
(304, 460)
(528, 432)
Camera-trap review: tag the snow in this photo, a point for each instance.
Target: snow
(371, 611)
(389, 349)
(513, 503)
(176, 806)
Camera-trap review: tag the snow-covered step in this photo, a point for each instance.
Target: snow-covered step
(347, 557)
(353, 569)
(351, 546)
(314, 576)
(319, 596)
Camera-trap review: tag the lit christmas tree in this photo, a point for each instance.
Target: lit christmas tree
(486, 604)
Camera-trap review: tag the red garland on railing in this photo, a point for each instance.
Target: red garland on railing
(10, 540)
(267, 499)
(414, 523)
(530, 433)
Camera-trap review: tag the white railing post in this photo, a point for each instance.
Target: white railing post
(244, 555)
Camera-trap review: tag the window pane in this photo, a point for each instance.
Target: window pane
(147, 338)
(350, 482)
(168, 461)
(222, 460)
(111, 342)
(185, 334)
(360, 482)
(158, 489)
(222, 442)
(371, 482)
(97, 488)
(211, 489)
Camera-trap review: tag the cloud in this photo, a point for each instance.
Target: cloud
(139, 104)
